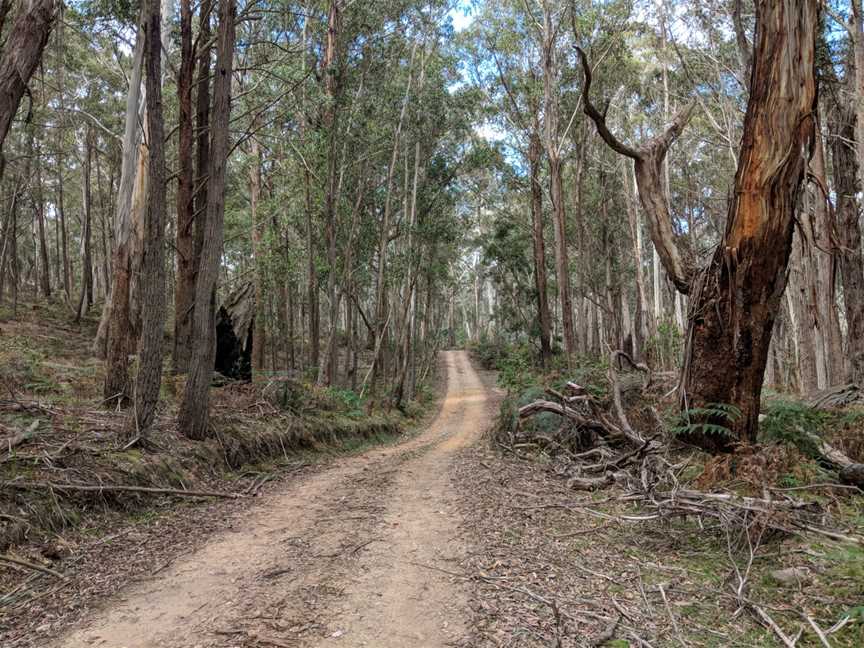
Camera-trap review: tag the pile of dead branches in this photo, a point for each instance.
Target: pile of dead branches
(612, 448)
(648, 471)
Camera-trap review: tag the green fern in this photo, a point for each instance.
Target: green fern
(792, 423)
(706, 420)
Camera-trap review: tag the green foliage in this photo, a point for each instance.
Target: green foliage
(590, 373)
(517, 370)
(300, 398)
(489, 352)
(346, 401)
(707, 420)
(24, 367)
(792, 422)
(667, 344)
(543, 423)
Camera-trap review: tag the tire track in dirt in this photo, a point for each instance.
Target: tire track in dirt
(349, 556)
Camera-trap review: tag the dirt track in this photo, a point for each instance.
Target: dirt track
(355, 555)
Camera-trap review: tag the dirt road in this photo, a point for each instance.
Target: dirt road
(356, 555)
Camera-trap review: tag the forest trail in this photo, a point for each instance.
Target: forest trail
(355, 555)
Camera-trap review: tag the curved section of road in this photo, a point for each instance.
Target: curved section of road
(356, 555)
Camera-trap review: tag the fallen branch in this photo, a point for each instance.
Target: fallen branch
(822, 638)
(768, 621)
(33, 566)
(637, 462)
(109, 488)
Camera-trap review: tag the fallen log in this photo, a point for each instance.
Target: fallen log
(836, 397)
(850, 472)
(555, 408)
(17, 439)
(591, 483)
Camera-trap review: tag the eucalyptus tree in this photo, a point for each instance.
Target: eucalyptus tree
(21, 54)
(513, 89)
(735, 300)
(149, 377)
(193, 417)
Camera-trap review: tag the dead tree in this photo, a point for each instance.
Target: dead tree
(735, 298)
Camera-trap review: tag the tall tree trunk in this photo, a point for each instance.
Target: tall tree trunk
(804, 323)
(327, 370)
(149, 378)
(61, 214)
(10, 235)
(86, 298)
(556, 189)
(736, 300)
(185, 235)
(825, 270)
(641, 327)
(290, 304)
(22, 52)
(114, 338)
(312, 306)
(539, 245)
(846, 186)
(857, 34)
(404, 389)
(14, 267)
(44, 264)
(258, 334)
(382, 312)
(103, 229)
(194, 409)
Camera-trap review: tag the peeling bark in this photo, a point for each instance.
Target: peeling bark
(22, 52)
(735, 300)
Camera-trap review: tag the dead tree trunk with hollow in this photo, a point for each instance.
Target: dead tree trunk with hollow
(735, 299)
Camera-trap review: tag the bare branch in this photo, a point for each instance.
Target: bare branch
(598, 117)
(648, 158)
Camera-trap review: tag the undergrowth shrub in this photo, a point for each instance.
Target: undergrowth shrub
(590, 373)
(792, 423)
(756, 466)
(299, 397)
(518, 370)
(489, 352)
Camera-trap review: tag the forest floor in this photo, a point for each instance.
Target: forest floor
(430, 540)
